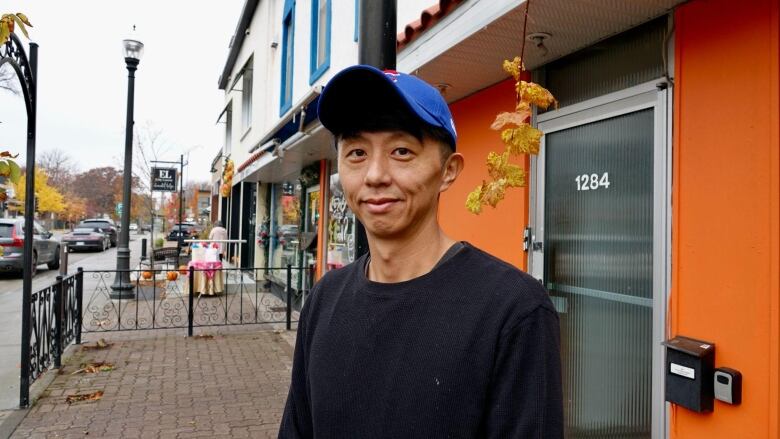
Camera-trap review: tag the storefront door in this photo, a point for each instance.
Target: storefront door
(248, 215)
(599, 248)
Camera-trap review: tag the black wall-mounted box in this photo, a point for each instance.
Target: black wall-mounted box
(690, 365)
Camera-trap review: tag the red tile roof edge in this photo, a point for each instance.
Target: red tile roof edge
(428, 18)
(253, 158)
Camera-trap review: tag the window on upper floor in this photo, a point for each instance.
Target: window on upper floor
(246, 96)
(320, 38)
(228, 128)
(357, 19)
(288, 33)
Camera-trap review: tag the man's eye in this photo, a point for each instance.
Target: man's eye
(402, 151)
(356, 153)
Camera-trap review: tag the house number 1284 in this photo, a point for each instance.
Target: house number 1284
(591, 182)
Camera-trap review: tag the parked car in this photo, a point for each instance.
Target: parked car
(181, 232)
(86, 238)
(106, 225)
(134, 227)
(45, 249)
(191, 225)
(146, 227)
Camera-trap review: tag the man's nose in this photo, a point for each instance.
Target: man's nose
(377, 173)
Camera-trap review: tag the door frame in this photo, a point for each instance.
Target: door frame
(656, 95)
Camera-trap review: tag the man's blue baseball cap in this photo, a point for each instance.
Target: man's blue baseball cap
(361, 88)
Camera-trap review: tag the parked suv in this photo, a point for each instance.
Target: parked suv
(45, 249)
(106, 225)
(181, 232)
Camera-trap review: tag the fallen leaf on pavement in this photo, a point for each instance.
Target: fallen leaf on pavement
(95, 367)
(204, 336)
(77, 397)
(100, 344)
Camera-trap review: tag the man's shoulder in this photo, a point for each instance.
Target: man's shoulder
(339, 278)
(509, 286)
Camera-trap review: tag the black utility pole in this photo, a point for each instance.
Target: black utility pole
(181, 208)
(29, 211)
(123, 287)
(376, 47)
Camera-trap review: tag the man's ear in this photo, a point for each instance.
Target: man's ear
(450, 171)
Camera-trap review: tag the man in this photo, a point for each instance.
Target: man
(219, 233)
(425, 337)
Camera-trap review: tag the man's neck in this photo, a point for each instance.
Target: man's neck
(398, 260)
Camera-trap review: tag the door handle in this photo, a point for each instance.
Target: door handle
(528, 241)
(527, 238)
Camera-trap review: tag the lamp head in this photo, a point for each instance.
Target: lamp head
(133, 48)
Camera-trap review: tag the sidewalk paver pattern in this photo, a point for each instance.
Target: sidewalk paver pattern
(226, 386)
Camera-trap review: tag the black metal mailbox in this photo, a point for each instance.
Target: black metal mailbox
(689, 373)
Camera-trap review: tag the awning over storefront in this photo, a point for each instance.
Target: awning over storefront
(283, 162)
(296, 119)
(464, 50)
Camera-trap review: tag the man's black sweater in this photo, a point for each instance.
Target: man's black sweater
(469, 350)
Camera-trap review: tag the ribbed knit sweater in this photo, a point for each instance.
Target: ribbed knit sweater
(468, 350)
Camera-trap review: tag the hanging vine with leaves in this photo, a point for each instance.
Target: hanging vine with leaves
(517, 135)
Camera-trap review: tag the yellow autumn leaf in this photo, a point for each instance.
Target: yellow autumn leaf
(515, 118)
(514, 175)
(522, 140)
(496, 163)
(514, 67)
(5, 32)
(493, 192)
(474, 201)
(21, 25)
(535, 94)
(24, 19)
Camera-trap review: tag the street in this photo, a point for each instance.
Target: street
(11, 307)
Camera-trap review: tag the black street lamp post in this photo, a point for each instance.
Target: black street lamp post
(123, 287)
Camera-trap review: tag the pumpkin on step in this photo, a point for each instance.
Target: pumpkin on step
(172, 276)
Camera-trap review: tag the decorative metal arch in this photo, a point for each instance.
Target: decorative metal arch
(12, 53)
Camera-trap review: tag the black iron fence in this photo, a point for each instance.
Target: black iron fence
(188, 298)
(54, 324)
(85, 302)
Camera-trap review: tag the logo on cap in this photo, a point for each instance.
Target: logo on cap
(392, 74)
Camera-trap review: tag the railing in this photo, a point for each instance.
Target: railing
(54, 324)
(169, 299)
(157, 299)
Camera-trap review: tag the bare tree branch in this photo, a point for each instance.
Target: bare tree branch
(59, 166)
(8, 80)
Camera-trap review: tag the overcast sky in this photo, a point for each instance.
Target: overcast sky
(82, 78)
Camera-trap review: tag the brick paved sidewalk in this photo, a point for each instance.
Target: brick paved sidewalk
(233, 385)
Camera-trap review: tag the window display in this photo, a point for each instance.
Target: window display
(341, 227)
(284, 236)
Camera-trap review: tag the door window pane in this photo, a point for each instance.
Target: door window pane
(599, 271)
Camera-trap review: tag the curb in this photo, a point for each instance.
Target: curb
(16, 416)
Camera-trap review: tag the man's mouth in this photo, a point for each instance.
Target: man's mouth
(379, 205)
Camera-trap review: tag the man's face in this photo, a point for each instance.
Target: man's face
(392, 180)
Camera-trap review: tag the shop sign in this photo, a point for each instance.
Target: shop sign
(164, 179)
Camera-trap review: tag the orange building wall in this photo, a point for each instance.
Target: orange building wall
(498, 231)
(726, 202)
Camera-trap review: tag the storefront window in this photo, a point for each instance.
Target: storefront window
(341, 227)
(284, 236)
